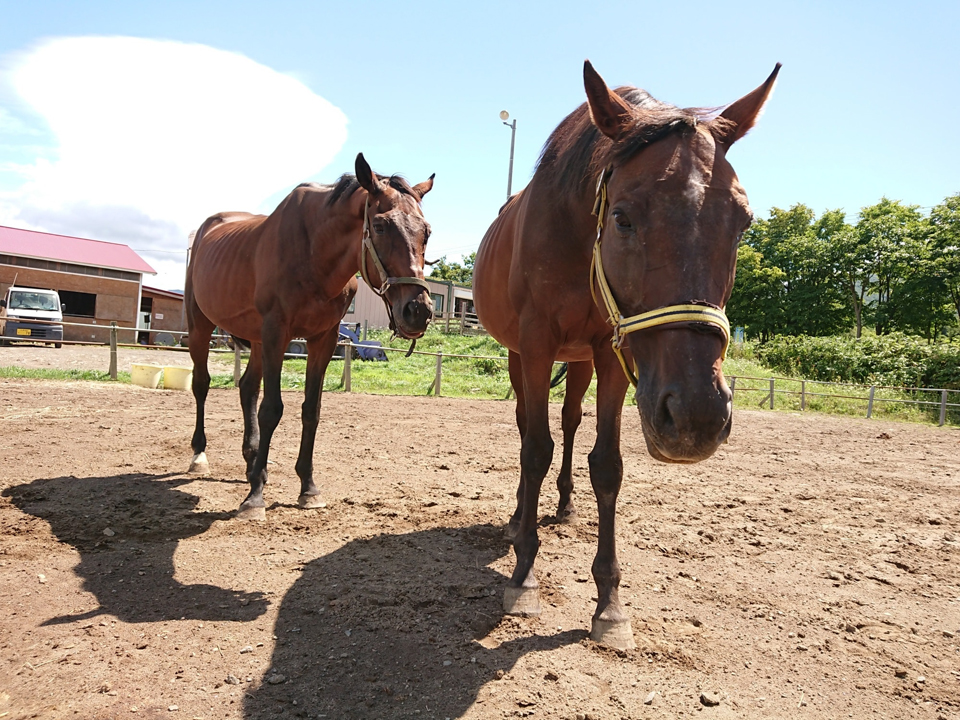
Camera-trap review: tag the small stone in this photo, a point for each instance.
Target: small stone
(802, 648)
(551, 676)
(246, 649)
(447, 663)
(277, 679)
(900, 673)
(921, 679)
(710, 699)
(232, 680)
(173, 708)
(948, 634)
(108, 532)
(648, 700)
(42, 578)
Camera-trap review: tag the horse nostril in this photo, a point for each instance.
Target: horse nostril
(415, 313)
(667, 411)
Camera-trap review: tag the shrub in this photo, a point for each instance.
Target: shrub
(894, 359)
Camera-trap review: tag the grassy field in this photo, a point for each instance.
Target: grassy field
(487, 377)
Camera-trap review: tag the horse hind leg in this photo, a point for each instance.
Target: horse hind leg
(579, 375)
(199, 344)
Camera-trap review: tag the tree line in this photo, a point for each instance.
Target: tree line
(894, 270)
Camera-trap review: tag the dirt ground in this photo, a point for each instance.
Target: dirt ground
(808, 569)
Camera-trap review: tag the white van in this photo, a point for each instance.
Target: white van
(20, 310)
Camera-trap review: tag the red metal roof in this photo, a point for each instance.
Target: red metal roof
(63, 248)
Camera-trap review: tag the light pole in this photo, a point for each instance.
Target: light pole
(504, 115)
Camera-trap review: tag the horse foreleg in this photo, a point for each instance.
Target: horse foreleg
(319, 352)
(521, 596)
(611, 625)
(516, 380)
(268, 417)
(579, 375)
(249, 397)
(199, 342)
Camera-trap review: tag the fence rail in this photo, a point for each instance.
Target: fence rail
(469, 323)
(870, 398)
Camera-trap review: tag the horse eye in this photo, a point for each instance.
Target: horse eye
(379, 228)
(621, 220)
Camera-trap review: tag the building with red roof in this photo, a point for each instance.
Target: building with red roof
(98, 282)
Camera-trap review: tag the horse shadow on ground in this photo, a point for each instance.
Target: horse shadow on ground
(393, 626)
(126, 529)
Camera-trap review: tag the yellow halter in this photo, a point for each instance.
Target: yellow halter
(661, 316)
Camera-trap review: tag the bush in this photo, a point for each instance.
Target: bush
(894, 359)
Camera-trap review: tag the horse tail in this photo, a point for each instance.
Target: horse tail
(245, 344)
(558, 378)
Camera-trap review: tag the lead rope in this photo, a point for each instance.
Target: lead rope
(691, 312)
(386, 281)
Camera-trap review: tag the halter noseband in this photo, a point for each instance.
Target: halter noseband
(386, 281)
(692, 312)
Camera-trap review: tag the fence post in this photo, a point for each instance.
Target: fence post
(439, 375)
(463, 317)
(771, 393)
(236, 363)
(733, 386)
(943, 407)
(873, 389)
(803, 394)
(448, 314)
(347, 362)
(113, 351)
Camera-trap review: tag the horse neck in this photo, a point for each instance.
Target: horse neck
(335, 233)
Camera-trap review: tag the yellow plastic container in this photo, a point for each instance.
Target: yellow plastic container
(147, 376)
(177, 378)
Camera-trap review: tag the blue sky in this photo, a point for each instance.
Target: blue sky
(97, 142)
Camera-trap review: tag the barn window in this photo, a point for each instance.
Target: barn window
(78, 304)
(437, 302)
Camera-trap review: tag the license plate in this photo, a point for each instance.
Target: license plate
(23, 331)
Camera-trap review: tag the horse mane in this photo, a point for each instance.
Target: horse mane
(348, 184)
(577, 151)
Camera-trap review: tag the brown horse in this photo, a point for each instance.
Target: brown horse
(268, 279)
(657, 263)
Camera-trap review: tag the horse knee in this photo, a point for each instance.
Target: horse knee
(536, 454)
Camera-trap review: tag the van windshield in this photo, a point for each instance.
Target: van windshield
(27, 300)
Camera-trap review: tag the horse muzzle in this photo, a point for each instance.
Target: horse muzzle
(412, 317)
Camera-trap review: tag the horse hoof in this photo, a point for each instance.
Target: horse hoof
(310, 501)
(199, 465)
(569, 518)
(617, 635)
(524, 602)
(251, 513)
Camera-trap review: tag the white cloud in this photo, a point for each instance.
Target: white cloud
(153, 136)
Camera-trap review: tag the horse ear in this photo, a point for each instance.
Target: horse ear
(608, 110)
(738, 118)
(421, 189)
(365, 176)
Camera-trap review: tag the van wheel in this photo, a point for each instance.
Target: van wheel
(58, 345)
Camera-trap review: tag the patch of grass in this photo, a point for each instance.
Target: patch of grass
(53, 374)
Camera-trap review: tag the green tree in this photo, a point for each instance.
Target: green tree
(755, 301)
(888, 233)
(945, 247)
(455, 272)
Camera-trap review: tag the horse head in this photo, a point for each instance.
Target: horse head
(394, 243)
(670, 214)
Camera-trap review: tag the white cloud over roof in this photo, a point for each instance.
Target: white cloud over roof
(153, 136)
